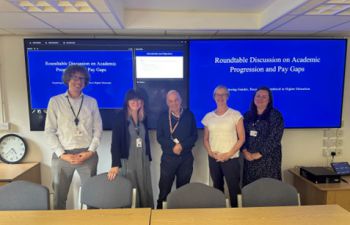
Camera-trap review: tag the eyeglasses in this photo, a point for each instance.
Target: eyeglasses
(77, 78)
(262, 96)
(220, 95)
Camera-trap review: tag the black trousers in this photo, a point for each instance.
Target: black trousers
(231, 171)
(180, 167)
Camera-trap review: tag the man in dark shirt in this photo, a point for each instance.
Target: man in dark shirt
(177, 134)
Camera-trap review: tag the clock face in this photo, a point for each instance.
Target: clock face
(12, 148)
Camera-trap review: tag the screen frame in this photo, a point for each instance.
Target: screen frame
(340, 122)
(110, 113)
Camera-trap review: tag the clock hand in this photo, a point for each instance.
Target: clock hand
(14, 151)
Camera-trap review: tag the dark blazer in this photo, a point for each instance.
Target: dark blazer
(121, 139)
(186, 133)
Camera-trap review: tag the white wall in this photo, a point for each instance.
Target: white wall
(300, 146)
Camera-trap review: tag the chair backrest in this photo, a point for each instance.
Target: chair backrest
(99, 192)
(269, 192)
(24, 195)
(196, 195)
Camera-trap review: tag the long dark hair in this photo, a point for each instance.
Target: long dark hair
(253, 108)
(134, 94)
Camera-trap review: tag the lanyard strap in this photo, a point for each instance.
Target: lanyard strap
(76, 120)
(171, 128)
(136, 126)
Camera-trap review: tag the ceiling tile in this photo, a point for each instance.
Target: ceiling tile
(278, 22)
(241, 6)
(110, 19)
(8, 7)
(313, 23)
(307, 6)
(87, 31)
(100, 6)
(34, 31)
(20, 20)
(73, 20)
(141, 32)
(343, 27)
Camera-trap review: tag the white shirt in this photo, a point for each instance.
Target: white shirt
(60, 128)
(222, 130)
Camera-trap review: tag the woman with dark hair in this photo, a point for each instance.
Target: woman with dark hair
(130, 148)
(264, 129)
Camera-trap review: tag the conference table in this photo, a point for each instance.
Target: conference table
(77, 217)
(286, 215)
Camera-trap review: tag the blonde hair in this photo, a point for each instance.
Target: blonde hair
(221, 87)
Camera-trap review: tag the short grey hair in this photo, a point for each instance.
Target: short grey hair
(174, 92)
(221, 87)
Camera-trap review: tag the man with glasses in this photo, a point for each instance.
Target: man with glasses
(73, 128)
(177, 134)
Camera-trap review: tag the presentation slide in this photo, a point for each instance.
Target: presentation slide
(305, 76)
(159, 64)
(110, 71)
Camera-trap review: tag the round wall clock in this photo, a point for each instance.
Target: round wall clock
(13, 148)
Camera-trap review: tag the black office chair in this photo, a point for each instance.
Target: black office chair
(196, 195)
(269, 192)
(24, 195)
(98, 192)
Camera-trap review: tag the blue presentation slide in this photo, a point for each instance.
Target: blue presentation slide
(110, 71)
(306, 77)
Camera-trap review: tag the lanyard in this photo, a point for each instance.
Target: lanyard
(136, 126)
(76, 120)
(171, 128)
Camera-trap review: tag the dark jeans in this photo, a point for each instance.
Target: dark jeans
(231, 171)
(180, 167)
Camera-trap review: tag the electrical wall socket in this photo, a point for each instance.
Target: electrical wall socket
(339, 142)
(329, 143)
(330, 133)
(4, 126)
(327, 152)
(338, 151)
(340, 133)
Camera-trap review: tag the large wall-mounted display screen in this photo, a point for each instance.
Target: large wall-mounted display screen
(306, 77)
(115, 66)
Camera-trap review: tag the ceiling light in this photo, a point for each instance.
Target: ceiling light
(54, 5)
(319, 10)
(49, 9)
(42, 4)
(33, 9)
(86, 9)
(64, 3)
(70, 9)
(81, 4)
(25, 3)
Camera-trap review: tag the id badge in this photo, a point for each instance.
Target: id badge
(77, 132)
(176, 141)
(138, 143)
(253, 133)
